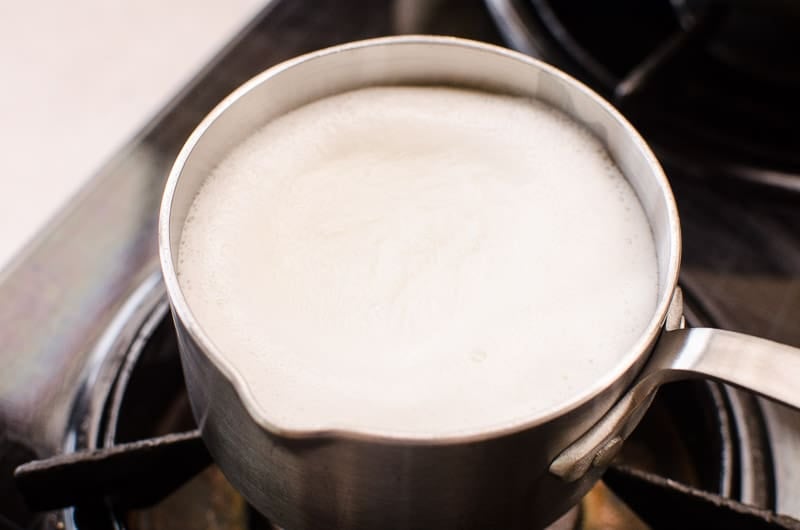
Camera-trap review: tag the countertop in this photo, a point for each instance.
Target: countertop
(80, 79)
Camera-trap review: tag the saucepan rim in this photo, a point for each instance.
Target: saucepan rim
(182, 312)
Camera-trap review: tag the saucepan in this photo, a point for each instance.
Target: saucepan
(520, 475)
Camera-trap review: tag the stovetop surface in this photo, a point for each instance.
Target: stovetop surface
(66, 298)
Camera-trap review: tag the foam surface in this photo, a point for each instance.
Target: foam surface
(418, 260)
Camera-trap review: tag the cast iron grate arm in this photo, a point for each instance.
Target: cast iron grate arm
(142, 473)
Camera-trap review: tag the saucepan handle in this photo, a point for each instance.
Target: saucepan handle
(762, 366)
(759, 365)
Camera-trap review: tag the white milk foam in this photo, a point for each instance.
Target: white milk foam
(416, 260)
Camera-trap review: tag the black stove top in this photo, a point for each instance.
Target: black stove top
(712, 85)
(90, 354)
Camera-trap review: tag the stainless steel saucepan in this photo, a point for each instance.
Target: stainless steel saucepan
(523, 475)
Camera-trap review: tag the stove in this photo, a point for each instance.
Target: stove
(92, 398)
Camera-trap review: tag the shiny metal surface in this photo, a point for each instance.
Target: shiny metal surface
(332, 476)
(762, 366)
(758, 365)
(61, 310)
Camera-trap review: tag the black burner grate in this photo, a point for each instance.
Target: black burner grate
(713, 85)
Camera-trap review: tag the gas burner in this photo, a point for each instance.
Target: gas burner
(712, 85)
(701, 443)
